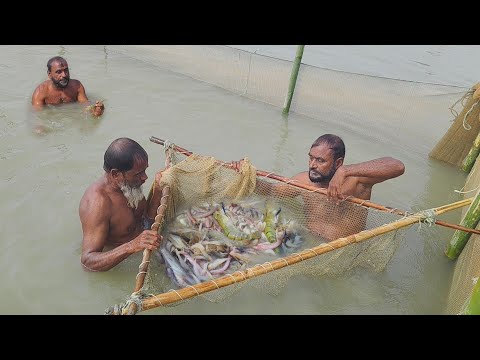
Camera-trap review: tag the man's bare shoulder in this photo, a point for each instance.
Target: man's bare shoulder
(75, 84)
(303, 178)
(43, 85)
(96, 198)
(42, 88)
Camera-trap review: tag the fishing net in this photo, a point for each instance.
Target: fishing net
(467, 268)
(465, 277)
(224, 229)
(329, 236)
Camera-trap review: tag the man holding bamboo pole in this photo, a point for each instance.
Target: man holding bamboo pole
(115, 216)
(326, 170)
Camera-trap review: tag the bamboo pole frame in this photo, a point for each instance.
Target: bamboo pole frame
(295, 183)
(173, 296)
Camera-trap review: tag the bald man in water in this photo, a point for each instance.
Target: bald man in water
(335, 218)
(59, 88)
(115, 216)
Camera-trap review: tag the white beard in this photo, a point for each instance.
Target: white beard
(133, 195)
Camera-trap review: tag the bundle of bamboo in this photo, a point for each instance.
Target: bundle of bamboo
(456, 144)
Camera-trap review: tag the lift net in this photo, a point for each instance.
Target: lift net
(224, 229)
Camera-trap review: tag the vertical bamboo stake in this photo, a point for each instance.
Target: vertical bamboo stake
(472, 155)
(460, 238)
(293, 78)
(473, 305)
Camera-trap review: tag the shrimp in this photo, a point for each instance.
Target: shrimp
(271, 221)
(232, 232)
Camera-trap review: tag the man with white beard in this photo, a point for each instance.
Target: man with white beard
(114, 213)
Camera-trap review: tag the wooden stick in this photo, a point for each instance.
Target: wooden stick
(257, 270)
(323, 191)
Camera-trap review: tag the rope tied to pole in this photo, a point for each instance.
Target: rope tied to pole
(123, 308)
(462, 100)
(168, 148)
(430, 217)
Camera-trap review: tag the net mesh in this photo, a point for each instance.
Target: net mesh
(392, 104)
(467, 269)
(203, 188)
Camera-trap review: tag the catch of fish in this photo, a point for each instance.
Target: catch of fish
(205, 242)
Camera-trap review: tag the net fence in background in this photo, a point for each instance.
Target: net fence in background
(391, 104)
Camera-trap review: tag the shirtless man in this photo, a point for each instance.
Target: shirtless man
(114, 213)
(59, 88)
(333, 219)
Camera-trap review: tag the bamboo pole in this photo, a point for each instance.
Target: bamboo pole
(173, 296)
(472, 155)
(156, 226)
(295, 183)
(473, 304)
(460, 239)
(293, 78)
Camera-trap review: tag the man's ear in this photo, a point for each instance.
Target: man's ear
(338, 163)
(115, 173)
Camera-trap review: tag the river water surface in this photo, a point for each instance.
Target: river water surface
(43, 177)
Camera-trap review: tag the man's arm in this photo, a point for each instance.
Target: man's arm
(95, 109)
(38, 98)
(81, 96)
(95, 218)
(367, 173)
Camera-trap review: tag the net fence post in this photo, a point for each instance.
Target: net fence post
(293, 78)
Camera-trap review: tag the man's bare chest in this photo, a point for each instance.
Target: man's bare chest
(61, 96)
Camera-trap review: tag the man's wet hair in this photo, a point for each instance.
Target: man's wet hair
(334, 142)
(122, 153)
(55, 59)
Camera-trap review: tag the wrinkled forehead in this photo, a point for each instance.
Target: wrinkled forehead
(139, 163)
(59, 64)
(322, 150)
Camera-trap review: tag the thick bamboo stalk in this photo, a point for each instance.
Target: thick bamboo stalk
(472, 155)
(473, 304)
(293, 79)
(295, 183)
(173, 296)
(459, 239)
